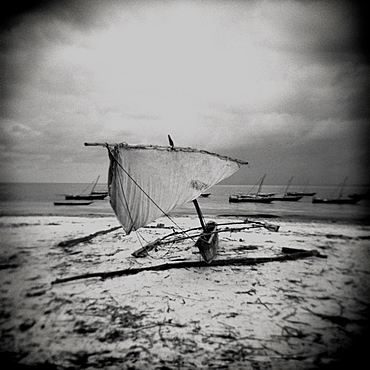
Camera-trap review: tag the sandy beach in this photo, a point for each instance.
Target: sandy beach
(301, 314)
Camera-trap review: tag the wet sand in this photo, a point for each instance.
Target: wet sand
(302, 314)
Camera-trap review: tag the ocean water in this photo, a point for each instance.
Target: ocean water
(17, 199)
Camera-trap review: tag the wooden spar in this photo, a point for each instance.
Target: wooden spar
(95, 144)
(266, 225)
(143, 251)
(72, 242)
(211, 232)
(199, 212)
(106, 145)
(186, 264)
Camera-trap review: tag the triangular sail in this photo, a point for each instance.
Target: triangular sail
(342, 187)
(146, 182)
(95, 183)
(260, 185)
(289, 182)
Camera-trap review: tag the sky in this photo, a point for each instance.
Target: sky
(280, 84)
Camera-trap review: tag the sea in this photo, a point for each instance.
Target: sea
(37, 199)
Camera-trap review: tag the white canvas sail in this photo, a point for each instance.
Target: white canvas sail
(146, 182)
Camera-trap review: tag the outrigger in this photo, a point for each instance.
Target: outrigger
(146, 182)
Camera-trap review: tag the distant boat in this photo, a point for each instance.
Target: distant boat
(302, 193)
(100, 192)
(93, 195)
(359, 196)
(86, 197)
(252, 198)
(340, 199)
(266, 194)
(240, 198)
(205, 195)
(286, 197)
(72, 203)
(336, 200)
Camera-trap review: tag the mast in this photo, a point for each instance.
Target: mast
(260, 186)
(289, 182)
(342, 187)
(200, 215)
(93, 188)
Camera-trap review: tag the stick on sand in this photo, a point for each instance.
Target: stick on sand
(293, 254)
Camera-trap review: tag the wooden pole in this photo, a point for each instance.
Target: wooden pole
(199, 212)
(186, 264)
(95, 144)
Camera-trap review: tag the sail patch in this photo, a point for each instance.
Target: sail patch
(198, 185)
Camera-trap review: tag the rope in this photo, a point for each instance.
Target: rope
(83, 192)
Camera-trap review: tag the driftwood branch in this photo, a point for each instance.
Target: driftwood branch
(72, 242)
(288, 250)
(297, 254)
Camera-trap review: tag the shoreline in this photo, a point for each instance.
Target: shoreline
(365, 220)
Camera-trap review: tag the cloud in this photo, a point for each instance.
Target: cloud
(314, 27)
(221, 76)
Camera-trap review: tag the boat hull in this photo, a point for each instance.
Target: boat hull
(294, 193)
(287, 198)
(86, 197)
(207, 243)
(73, 203)
(336, 201)
(245, 199)
(100, 193)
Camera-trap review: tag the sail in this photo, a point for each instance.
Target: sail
(146, 182)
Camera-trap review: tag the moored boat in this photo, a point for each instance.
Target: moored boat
(86, 197)
(93, 195)
(303, 194)
(240, 198)
(252, 198)
(100, 192)
(336, 200)
(340, 199)
(286, 197)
